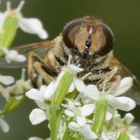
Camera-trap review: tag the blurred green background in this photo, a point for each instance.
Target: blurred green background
(123, 17)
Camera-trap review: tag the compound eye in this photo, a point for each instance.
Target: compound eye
(70, 31)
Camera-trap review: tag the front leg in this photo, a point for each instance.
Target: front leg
(36, 64)
(45, 76)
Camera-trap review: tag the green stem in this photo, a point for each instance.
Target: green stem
(10, 106)
(65, 136)
(56, 111)
(123, 136)
(100, 116)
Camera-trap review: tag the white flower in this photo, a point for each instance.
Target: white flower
(84, 130)
(129, 118)
(77, 83)
(43, 94)
(122, 103)
(37, 116)
(13, 55)
(18, 89)
(119, 125)
(29, 25)
(4, 125)
(37, 96)
(74, 109)
(6, 80)
(109, 135)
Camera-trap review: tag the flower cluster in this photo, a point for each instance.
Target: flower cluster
(11, 89)
(10, 21)
(13, 94)
(73, 109)
(84, 111)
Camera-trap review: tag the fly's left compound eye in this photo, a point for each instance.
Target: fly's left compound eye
(69, 32)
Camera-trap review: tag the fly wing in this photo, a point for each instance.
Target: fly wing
(134, 91)
(39, 48)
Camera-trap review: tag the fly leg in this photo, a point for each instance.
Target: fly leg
(110, 80)
(35, 64)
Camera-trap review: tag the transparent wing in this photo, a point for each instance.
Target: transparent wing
(134, 92)
(40, 48)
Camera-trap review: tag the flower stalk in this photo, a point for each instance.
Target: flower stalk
(100, 116)
(123, 136)
(56, 111)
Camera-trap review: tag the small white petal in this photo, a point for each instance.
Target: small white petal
(69, 113)
(104, 136)
(41, 105)
(74, 68)
(79, 84)
(117, 118)
(88, 133)
(92, 92)
(108, 116)
(34, 94)
(50, 90)
(122, 103)
(35, 138)
(6, 80)
(73, 126)
(129, 118)
(70, 105)
(87, 109)
(71, 88)
(125, 84)
(37, 116)
(21, 58)
(11, 56)
(4, 125)
(81, 121)
(33, 26)
(133, 137)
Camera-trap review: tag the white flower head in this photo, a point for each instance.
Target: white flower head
(29, 25)
(17, 89)
(75, 110)
(13, 56)
(84, 130)
(122, 103)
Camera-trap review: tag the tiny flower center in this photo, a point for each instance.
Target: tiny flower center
(13, 14)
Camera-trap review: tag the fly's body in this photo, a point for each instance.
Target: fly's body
(89, 43)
